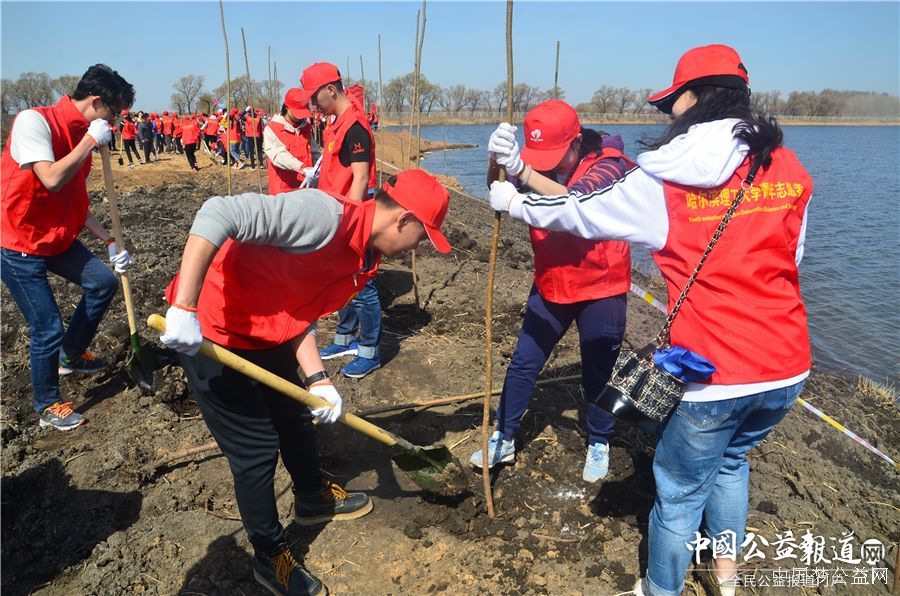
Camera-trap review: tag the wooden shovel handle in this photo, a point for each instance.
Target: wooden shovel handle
(117, 233)
(295, 392)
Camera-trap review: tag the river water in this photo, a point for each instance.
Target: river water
(850, 274)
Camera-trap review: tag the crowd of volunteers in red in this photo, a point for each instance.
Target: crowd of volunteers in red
(259, 270)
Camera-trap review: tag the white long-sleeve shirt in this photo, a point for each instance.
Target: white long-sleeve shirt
(633, 209)
(276, 151)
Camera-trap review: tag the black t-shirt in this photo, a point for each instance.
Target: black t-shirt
(356, 147)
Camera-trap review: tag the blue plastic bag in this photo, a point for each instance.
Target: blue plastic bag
(684, 364)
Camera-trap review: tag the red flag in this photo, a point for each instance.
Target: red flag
(358, 96)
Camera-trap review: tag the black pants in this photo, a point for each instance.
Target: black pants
(210, 141)
(129, 147)
(252, 424)
(259, 151)
(148, 149)
(189, 151)
(179, 148)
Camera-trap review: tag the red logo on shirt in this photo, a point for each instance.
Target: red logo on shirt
(357, 148)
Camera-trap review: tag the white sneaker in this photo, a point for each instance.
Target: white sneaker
(502, 455)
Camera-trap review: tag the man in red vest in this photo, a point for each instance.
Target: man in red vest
(168, 128)
(252, 129)
(286, 142)
(258, 271)
(45, 203)
(348, 168)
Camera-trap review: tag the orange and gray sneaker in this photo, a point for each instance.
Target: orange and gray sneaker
(61, 416)
(86, 364)
(280, 573)
(330, 503)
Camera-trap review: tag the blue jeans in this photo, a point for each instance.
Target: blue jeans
(249, 148)
(601, 324)
(26, 278)
(702, 475)
(361, 317)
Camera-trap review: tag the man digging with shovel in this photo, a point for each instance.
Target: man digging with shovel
(45, 205)
(257, 272)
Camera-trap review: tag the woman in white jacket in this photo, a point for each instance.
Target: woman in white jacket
(745, 313)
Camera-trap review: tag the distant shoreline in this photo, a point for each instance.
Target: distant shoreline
(448, 121)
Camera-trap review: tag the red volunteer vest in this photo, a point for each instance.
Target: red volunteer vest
(570, 269)
(256, 297)
(333, 176)
(298, 145)
(129, 130)
(212, 127)
(251, 126)
(234, 131)
(167, 125)
(33, 219)
(745, 313)
(190, 134)
(177, 128)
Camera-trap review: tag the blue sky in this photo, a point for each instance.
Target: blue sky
(785, 45)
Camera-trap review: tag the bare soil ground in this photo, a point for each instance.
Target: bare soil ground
(79, 517)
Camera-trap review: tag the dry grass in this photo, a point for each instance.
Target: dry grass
(885, 396)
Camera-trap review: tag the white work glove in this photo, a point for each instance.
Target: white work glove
(327, 415)
(100, 131)
(501, 195)
(309, 177)
(121, 260)
(504, 149)
(182, 331)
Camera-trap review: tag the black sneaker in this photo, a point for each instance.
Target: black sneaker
(332, 503)
(282, 574)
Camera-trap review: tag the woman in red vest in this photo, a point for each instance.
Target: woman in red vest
(286, 143)
(176, 133)
(745, 314)
(129, 133)
(258, 271)
(575, 280)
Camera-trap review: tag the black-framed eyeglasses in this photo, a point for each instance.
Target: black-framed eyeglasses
(116, 111)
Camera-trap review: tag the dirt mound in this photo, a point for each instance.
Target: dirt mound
(79, 517)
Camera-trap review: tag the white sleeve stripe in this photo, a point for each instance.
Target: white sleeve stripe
(535, 200)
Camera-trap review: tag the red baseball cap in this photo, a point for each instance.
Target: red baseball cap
(165, 112)
(420, 192)
(297, 102)
(716, 65)
(318, 75)
(549, 130)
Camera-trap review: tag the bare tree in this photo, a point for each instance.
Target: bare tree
(64, 85)
(187, 91)
(273, 88)
(8, 96)
(624, 98)
(640, 100)
(456, 97)
(33, 89)
(603, 99)
(498, 96)
(206, 102)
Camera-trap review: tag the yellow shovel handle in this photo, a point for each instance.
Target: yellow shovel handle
(257, 373)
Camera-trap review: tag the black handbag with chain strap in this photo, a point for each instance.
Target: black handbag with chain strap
(638, 391)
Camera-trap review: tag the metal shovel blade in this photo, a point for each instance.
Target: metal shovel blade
(432, 468)
(141, 365)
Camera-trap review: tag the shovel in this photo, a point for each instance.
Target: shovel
(141, 361)
(432, 468)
